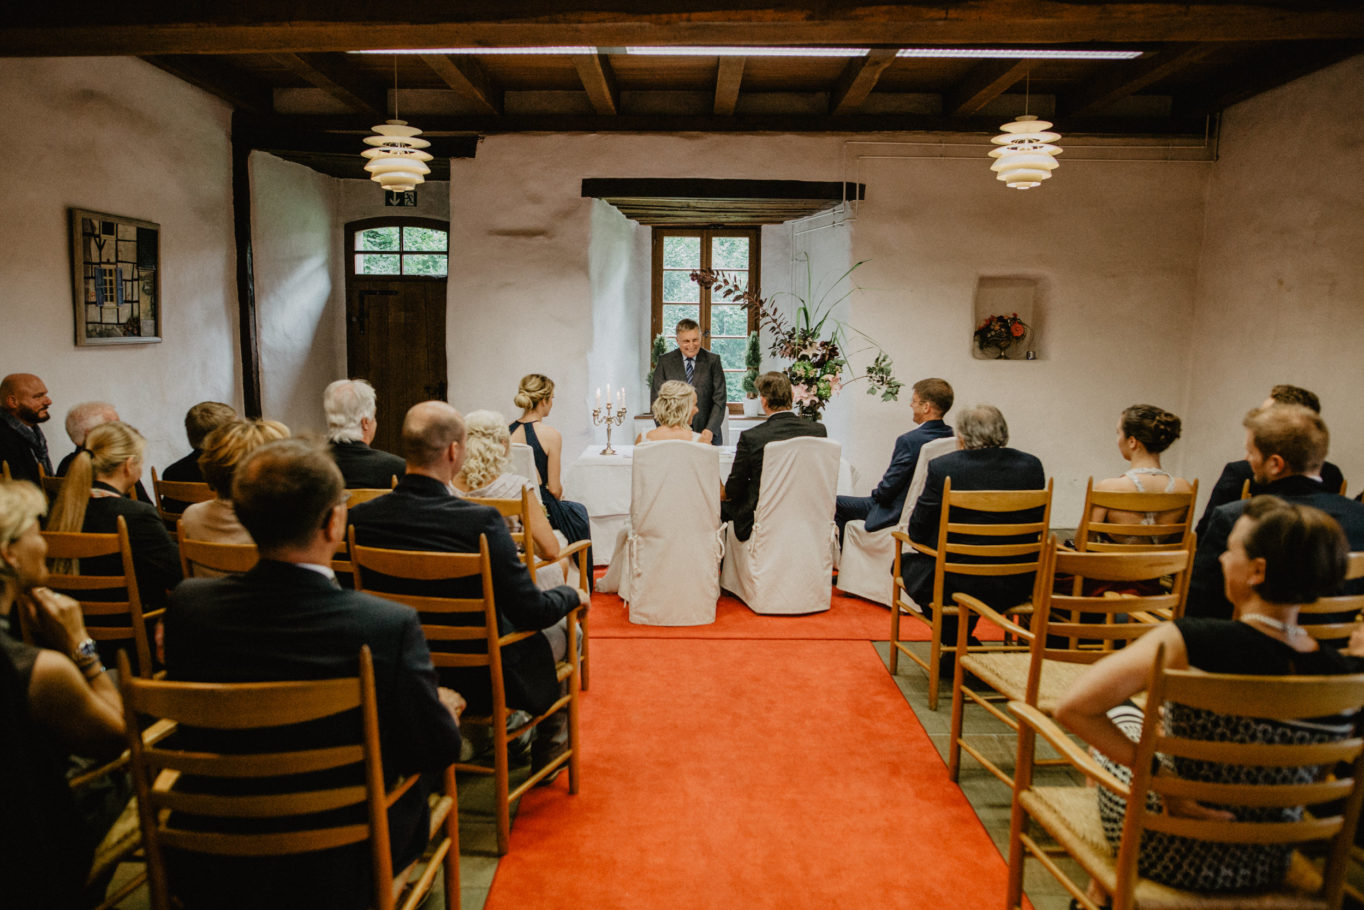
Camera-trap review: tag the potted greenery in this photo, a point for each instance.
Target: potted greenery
(656, 350)
(753, 360)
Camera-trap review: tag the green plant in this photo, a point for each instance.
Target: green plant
(656, 350)
(753, 359)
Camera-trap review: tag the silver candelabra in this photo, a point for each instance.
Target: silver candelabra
(610, 420)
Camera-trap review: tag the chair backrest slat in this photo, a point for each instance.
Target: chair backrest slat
(220, 558)
(1172, 533)
(77, 545)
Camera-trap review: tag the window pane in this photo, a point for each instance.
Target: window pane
(423, 239)
(728, 319)
(376, 264)
(731, 351)
(739, 278)
(672, 315)
(729, 252)
(433, 264)
(679, 288)
(734, 387)
(385, 238)
(682, 253)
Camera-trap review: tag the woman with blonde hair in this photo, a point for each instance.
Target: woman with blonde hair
(94, 495)
(535, 398)
(673, 409)
(223, 449)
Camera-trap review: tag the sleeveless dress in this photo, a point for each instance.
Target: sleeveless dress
(1226, 646)
(567, 517)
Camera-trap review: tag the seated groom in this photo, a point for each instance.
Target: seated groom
(422, 514)
(287, 619)
(740, 497)
(982, 463)
(931, 401)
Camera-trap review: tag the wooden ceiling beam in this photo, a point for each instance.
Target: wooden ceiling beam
(342, 84)
(599, 82)
(468, 79)
(729, 76)
(312, 26)
(1130, 77)
(985, 82)
(219, 76)
(859, 77)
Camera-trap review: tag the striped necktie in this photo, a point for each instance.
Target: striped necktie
(691, 368)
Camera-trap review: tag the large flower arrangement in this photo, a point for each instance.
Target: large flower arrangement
(813, 342)
(1000, 333)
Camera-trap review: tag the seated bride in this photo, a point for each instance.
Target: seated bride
(487, 449)
(673, 409)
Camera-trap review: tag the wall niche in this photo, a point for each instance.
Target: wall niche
(1007, 309)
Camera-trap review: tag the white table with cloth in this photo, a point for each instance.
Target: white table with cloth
(602, 484)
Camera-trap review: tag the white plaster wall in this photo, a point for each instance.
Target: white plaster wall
(300, 288)
(126, 138)
(362, 198)
(618, 262)
(1281, 285)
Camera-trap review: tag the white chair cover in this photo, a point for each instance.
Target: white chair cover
(784, 567)
(522, 461)
(865, 564)
(666, 564)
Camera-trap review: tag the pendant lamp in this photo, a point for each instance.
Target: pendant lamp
(1027, 154)
(395, 159)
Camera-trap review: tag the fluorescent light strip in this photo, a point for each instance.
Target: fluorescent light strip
(566, 50)
(1003, 53)
(1015, 53)
(662, 51)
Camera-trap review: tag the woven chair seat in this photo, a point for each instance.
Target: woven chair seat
(1007, 673)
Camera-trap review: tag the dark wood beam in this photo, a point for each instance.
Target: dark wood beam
(600, 83)
(467, 77)
(706, 188)
(1275, 66)
(985, 82)
(1130, 77)
(248, 333)
(858, 79)
(221, 77)
(311, 26)
(729, 76)
(330, 75)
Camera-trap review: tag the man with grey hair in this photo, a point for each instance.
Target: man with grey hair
(351, 424)
(80, 420)
(983, 462)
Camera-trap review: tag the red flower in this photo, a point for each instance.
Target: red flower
(1017, 330)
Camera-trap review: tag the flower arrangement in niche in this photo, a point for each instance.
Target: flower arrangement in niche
(1000, 333)
(813, 341)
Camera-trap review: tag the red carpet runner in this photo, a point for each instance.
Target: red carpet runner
(748, 774)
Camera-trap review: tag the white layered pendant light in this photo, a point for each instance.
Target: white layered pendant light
(396, 160)
(1027, 152)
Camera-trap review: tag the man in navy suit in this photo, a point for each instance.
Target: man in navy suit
(931, 401)
(1286, 446)
(422, 514)
(287, 619)
(741, 490)
(984, 462)
(693, 364)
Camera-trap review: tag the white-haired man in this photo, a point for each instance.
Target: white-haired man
(80, 420)
(350, 405)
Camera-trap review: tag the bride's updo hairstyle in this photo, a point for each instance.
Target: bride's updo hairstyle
(1152, 427)
(672, 407)
(485, 448)
(534, 388)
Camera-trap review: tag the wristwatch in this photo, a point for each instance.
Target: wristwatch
(86, 651)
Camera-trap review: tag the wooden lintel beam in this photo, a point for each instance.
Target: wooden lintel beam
(1131, 77)
(858, 79)
(985, 82)
(317, 70)
(465, 76)
(218, 76)
(600, 83)
(729, 76)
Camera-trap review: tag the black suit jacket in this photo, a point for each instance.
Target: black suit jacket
(422, 514)
(972, 469)
(366, 468)
(280, 621)
(1233, 480)
(888, 499)
(18, 454)
(708, 378)
(186, 470)
(745, 478)
(1206, 594)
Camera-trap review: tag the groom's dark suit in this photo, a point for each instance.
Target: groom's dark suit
(285, 622)
(708, 378)
(883, 507)
(742, 487)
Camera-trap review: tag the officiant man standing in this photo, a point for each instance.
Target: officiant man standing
(703, 370)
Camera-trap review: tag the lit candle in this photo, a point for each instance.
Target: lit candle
(608, 394)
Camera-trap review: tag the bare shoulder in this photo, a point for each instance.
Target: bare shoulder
(1117, 484)
(549, 437)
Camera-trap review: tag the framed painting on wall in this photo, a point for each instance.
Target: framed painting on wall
(116, 278)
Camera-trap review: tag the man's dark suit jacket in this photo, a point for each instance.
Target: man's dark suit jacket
(972, 469)
(1207, 596)
(280, 621)
(18, 454)
(708, 378)
(745, 478)
(186, 470)
(366, 468)
(422, 514)
(1233, 480)
(888, 499)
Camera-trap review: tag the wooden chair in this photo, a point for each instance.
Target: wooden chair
(248, 707)
(471, 622)
(4, 470)
(955, 556)
(126, 612)
(174, 496)
(1245, 487)
(1066, 634)
(365, 494)
(196, 556)
(1332, 619)
(1070, 817)
(1096, 536)
(577, 550)
(51, 483)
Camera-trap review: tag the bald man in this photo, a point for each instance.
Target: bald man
(23, 406)
(422, 514)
